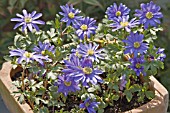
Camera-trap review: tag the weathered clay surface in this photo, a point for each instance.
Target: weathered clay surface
(157, 105)
(7, 89)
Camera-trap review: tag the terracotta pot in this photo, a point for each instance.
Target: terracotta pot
(7, 88)
(157, 105)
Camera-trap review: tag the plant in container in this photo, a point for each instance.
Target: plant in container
(80, 66)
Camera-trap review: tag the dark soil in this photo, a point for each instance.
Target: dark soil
(123, 105)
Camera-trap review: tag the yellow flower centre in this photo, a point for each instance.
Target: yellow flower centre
(149, 15)
(118, 13)
(67, 83)
(71, 15)
(136, 45)
(43, 52)
(124, 24)
(84, 27)
(27, 54)
(87, 70)
(87, 104)
(138, 65)
(90, 52)
(77, 53)
(27, 19)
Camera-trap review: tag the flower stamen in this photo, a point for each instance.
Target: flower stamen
(28, 20)
(77, 53)
(87, 70)
(90, 52)
(27, 54)
(43, 52)
(67, 83)
(136, 45)
(124, 24)
(71, 15)
(84, 27)
(87, 104)
(118, 13)
(149, 15)
(138, 65)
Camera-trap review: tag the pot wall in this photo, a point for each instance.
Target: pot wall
(7, 89)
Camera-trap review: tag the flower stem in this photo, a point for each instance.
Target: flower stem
(22, 78)
(31, 104)
(45, 85)
(61, 35)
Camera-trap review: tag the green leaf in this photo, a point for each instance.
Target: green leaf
(12, 2)
(74, 1)
(7, 58)
(154, 70)
(57, 53)
(37, 101)
(41, 91)
(33, 89)
(150, 94)
(51, 33)
(42, 71)
(101, 111)
(50, 54)
(57, 67)
(50, 22)
(43, 110)
(128, 95)
(135, 88)
(147, 66)
(22, 2)
(141, 96)
(91, 89)
(57, 23)
(53, 88)
(152, 32)
(128, 84)
(94, 3)
(14, 66)
(159, 64)
(116, 87)
(97, 87)
(21, 99)
(51, 75)
(115, 97)
(34, 69)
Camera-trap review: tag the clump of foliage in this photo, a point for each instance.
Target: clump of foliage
(79, 66)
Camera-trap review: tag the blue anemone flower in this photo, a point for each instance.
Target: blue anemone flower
(123, 22)
(90, 51)
(66, 84)
(42, 47)
(89, 105)
(161, 54)
(149, 14)
(136, 65)
(70, 14)
(135, 44)
(123, 82)
(28, 20)
(82, 70)
(85, 27)
(27, 56)
(117, 11)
